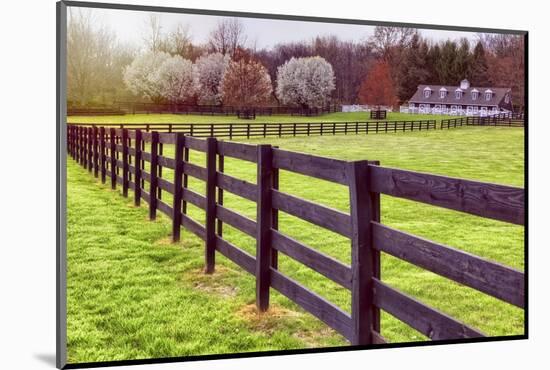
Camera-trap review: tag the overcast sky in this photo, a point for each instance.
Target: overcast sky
(130, 26)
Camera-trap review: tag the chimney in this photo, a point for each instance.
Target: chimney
(464, 84)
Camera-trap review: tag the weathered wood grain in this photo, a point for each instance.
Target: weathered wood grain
(238, 221)
(319, 215)
(236, 186)
(194, 170)
(245, 152)
(263, 225)
(325, 311)
(428, 321)
(237, 255)
(323, 168)
(322, 263)
(499, 202)
(194, 198)
(210, 193)
(153, 183)
(362, 253)
(486, 276)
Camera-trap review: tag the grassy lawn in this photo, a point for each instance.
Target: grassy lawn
(133, 294)
(195, 118)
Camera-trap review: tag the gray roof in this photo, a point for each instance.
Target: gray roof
(466, 99)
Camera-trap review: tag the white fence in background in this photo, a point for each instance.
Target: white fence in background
(450, 111)
(364, 108)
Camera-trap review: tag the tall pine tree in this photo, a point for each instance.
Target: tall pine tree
(479, 69)
(412, 69)
(445, 65)
(462, 61)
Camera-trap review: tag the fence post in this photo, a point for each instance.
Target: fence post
(96, 153)
(125, 162)
(75, 142)
(275, 216)
(90, 153)
(362, 253)
(185, 178)
(178, 190)
(102, 153)
(68, 138)
(137, 168)
(375, 197)
(221, 164)
(154, 175)
(210, 223)
(263, 227)
(83, 147)
(113, 158)
(159, 174)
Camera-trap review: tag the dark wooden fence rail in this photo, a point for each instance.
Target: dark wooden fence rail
(211, 110)
(504, 120)
(96, 149)
(252, 129)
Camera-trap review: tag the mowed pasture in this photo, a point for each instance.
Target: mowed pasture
(133, 294)
(206, 118)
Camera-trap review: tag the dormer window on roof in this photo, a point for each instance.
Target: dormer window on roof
(427, 92)
(475, 94)
(442, 92)
(488, 94)
(458, 93)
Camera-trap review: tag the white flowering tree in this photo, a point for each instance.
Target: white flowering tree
(306, 82)
(175, 79)
(139, 75)
(209, 71)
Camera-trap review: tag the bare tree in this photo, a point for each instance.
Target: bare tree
(227, 37)
(177, 42)
(153, 32)
(95, 60)
(387, 40)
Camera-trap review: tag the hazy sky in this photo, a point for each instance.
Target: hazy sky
(130, 26)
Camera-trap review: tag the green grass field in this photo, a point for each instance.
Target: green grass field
(183, 118)
(133, 294)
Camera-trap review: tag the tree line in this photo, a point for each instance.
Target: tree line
(384, 69)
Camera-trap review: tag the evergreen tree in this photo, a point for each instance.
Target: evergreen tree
(412, 70)
(446, 66)
(479, 73)
(462, 62)
(434, 54)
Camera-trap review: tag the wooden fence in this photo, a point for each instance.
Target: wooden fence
(253, 129)
(211, 110)
(505, 120)
(118, 155)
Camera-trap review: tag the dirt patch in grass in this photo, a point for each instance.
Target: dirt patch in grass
(273, 319)
(215, 283)
(311, 337)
